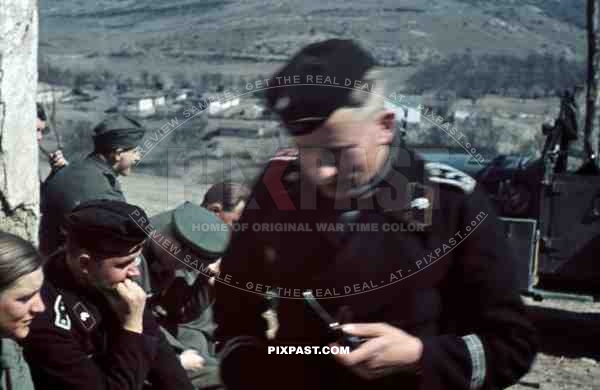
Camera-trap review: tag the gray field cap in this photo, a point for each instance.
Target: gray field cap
(197, 228)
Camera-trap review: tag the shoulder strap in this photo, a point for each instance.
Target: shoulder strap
(450, 176)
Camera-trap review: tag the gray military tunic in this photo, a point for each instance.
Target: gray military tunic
(89, 179)
(14, 374)
(181, 297)
(186, 318)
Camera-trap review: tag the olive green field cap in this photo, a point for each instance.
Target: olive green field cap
(196, 227)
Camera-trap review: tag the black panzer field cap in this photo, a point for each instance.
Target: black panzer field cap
(303, 108)
(107, 227)
(118, 131)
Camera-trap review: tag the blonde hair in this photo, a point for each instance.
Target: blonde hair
(370, 100)
(18, 258)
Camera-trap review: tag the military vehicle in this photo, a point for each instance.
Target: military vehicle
(551, 215)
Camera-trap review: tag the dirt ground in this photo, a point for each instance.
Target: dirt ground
(570, 357)
(554, 373)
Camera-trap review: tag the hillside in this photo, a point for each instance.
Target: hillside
(251, 38)
(470, 48)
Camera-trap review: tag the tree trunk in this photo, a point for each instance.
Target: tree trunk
(19, 180)
(593, 79)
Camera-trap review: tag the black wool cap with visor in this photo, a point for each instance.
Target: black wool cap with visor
(303, 108)
(107, 228)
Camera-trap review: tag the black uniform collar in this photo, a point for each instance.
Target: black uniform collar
(82, 304)
(58, 273)
(403, 179)
(400, 163)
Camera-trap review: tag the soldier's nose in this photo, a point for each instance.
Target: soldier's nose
(134, 271)
(327, 173)
(137, 155)
(38, 304)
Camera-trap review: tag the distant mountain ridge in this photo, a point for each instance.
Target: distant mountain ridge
(401, 33)
(571, 11)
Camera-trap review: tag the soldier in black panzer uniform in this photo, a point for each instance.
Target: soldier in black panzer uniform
(430, 286)
(97, 332)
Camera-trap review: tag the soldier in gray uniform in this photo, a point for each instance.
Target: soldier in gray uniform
(182, 254)
(96, 177)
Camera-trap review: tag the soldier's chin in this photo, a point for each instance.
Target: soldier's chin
(107, 290)
(343, 190)
(329, 190)
(125, 172)
(21, 332)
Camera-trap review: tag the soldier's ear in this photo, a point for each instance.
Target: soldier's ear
(85, 262)
(386, 121)
(117, 154)
(239, 207)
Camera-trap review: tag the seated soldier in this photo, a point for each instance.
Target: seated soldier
(116, 152)
(97, 333)
(227, 200)
(181, 255)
